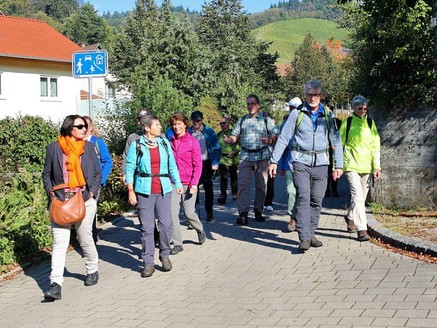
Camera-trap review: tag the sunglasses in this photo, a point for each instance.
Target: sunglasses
(222, 123)
(197, 121)
(311, 95)
(79, 126)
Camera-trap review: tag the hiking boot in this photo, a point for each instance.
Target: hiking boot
(92, 279)
(350, 225)
(291, 226)
(176, 249)
(54, 293)
(259, 217)
(314, 242)
(148, 271)
(242, 219)
(363, 236)
(304, 245)
(166, 264)
(221, 199)
(201, 236)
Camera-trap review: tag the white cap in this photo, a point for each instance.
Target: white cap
(295, 102)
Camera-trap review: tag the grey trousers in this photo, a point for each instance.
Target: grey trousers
(260, 170)
(310, 185)
(189, 205)
(150, 206)
(291, 192)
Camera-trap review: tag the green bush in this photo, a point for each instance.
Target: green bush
(24, 222)
(23, 142)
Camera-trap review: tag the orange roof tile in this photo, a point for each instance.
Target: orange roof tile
(33, 39)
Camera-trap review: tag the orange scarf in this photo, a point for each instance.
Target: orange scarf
(73, 150)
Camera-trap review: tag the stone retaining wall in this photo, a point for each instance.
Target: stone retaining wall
(408, 158)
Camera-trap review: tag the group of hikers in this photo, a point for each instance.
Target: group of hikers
(164, 169)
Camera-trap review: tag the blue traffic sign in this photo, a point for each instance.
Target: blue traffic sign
(90, 63)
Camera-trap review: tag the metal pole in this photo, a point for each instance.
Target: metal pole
(90, 97)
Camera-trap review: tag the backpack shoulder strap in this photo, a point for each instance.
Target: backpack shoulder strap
(265, 122)
(299, 118)
(348, 127)
(369, 122)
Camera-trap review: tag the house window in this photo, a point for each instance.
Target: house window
(49, 86)
(111, 91)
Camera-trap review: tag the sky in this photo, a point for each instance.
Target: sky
(251, 6)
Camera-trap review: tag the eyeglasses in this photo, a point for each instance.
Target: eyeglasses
(316, 95)
(222, 123)
(79, 126)
(197, 121)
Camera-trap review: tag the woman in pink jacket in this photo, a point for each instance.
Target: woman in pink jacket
(188, 157)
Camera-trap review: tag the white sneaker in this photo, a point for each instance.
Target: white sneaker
(269, 208)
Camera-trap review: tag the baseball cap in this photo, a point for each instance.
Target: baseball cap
(196, 115)
(295, 102)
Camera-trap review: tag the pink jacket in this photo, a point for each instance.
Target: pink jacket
(186, 150)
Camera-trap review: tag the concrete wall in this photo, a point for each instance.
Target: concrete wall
(408, 158)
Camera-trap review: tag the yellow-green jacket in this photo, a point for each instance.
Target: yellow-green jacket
(362, 149)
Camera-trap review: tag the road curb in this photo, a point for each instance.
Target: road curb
(378, 231)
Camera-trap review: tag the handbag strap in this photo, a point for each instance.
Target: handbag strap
(59, 186)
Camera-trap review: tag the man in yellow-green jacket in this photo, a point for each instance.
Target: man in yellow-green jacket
(361, 145)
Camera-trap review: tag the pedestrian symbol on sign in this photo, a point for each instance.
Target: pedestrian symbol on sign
(90, 64)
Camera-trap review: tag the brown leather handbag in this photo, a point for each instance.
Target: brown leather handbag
(69, 211)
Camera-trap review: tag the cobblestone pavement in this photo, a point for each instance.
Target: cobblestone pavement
(241, 277)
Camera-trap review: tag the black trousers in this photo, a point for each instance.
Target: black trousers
(206, 181)
(270, 194)
(225, 173)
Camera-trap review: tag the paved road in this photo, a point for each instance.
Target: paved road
(241, 277)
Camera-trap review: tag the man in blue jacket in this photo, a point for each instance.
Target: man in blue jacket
(311, 130)
(210, 148)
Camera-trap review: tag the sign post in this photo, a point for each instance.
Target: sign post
(89, 64)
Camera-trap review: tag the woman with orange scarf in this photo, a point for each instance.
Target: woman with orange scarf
(73, 161)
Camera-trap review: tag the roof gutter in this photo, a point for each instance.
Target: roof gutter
(35, 58)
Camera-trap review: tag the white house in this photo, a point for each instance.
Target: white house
(36, 72)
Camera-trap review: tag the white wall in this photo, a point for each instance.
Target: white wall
(21, 93)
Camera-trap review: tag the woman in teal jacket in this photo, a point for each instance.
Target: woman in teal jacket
(149, 166)
(361, 144)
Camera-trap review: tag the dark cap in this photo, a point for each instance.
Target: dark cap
(196, 115)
